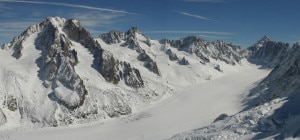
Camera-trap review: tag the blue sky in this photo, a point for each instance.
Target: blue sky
(241, 22)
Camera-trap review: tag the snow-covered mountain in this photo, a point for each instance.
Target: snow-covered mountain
(55, 73)
(267, 52)
(271, 110)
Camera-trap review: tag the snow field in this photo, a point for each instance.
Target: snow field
(193, 107)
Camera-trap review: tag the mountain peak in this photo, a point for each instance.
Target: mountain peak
(55, 21)
(264, 39)
(132, 31)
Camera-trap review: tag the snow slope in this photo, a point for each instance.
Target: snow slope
(121, 85)
(185, 110)
(272, 107)
(56, 74)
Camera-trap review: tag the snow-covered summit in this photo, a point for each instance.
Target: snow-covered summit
(71, 73)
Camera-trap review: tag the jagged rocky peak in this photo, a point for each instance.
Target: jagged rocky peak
(115, 36)
(54, 21)
(57, 60)
(218, 50)
(112, 37)
(283, 81)
(132, 32)
(192, 39)
(264, 39)
(259, 43)
(74, 30)
(57, 64)
(185, 42)
(267, 52)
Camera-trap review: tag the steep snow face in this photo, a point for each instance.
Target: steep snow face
(267, 52)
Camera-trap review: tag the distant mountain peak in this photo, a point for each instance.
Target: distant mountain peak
(264, 39)
(55, 21)
(133, 30)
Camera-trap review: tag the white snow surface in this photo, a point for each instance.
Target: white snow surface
(202, 93)
(192, 107)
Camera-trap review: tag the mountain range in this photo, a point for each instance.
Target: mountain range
(56, 74)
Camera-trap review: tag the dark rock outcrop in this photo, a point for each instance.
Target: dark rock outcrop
(172, 56)
(148, 63)
(221, 117)
(131, 41)
(218, 68)
(112, 37)
(132, 76)
(183, 61)
(109, 68)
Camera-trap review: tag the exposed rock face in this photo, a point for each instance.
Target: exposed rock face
(113, 37)
(284, 78)
(57, 65)
(105, 63)
(268, 52)
(221, 117)
(131, 41)
(148, 63)
(56, 40)
(58, 58)
(132, 76)
(109, 68)
(172, 56)
(183, 61)
(77, 33)
(218, 68)
(12, 103)
(227, 52)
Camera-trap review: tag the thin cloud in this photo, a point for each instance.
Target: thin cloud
(189, 32)
(3, 7)
(211, 36)
(208, 1)
(9, 29)
(16, 25)
(69, 5)
(93, 19)
(193, 15)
